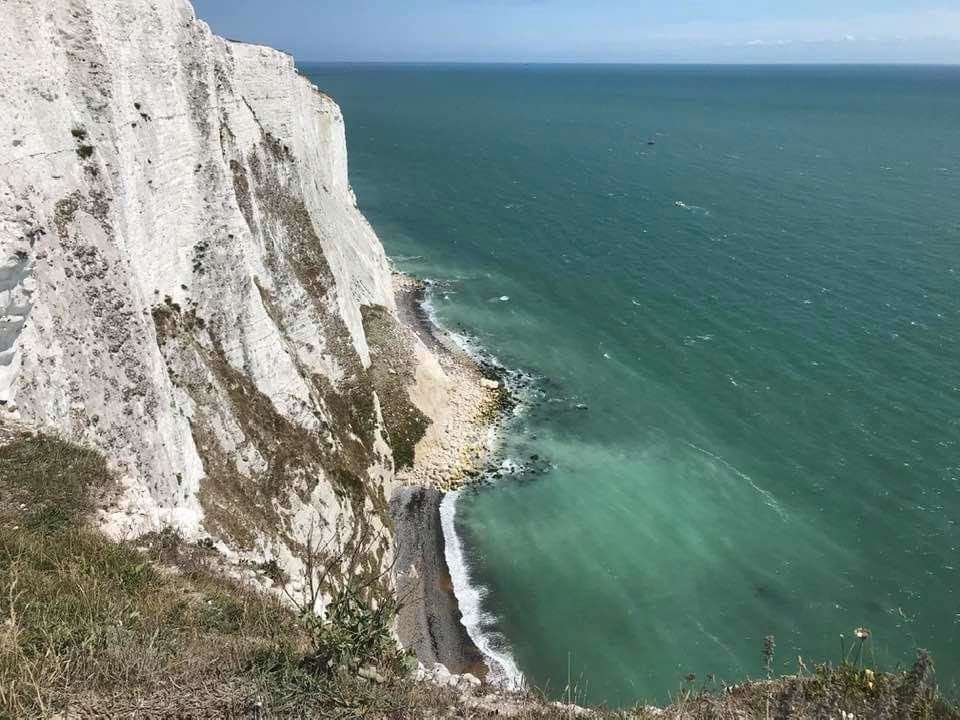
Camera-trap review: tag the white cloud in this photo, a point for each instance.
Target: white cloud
(765, 43)
(903, 26)
(931, 36)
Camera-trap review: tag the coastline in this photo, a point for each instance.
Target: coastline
(429, 621)
(458, 448)
(465, 398)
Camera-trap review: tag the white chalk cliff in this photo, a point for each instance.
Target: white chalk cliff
(186, 282)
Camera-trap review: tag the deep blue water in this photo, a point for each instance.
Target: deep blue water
(761, 310)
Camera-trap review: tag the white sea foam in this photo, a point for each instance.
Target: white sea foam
(503, 667)
(696, 209)
(691, 340)
(493, 645)
(516, 381)
(769, 500)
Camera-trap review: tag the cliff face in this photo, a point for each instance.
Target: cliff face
(187, 284)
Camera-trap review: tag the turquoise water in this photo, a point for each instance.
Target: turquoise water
(761, 311)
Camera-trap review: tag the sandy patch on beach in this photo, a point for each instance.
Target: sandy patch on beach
(449, 388)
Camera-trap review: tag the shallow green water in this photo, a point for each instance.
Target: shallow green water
(762, 313)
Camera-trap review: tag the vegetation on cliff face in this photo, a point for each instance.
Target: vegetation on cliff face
(150, 629)
(393, 371)
(843, 692)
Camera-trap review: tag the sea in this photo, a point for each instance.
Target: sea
(735, 295)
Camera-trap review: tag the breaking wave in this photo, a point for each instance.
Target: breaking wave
(493, 645)
(470, 595)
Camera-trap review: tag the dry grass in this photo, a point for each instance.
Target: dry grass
(101, 629)
(90, 628)
(829, 692)
(84, 617)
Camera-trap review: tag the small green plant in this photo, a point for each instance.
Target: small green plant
(272, 571)
(83, 149)
(769, 650)
(352, 630)
(353, 634)
(862, 636)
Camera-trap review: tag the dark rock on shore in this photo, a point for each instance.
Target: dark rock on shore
(429, 621)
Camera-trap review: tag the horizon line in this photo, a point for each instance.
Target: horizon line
(637, 63)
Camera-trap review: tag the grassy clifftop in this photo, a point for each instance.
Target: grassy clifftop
(150, 629)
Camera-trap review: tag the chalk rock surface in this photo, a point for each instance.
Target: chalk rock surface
(187, 284)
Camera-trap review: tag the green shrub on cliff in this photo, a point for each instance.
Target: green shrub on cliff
(354, 635)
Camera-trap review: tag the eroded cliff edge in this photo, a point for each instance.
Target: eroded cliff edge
(187, 283)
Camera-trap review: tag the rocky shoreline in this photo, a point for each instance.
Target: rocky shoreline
(429, 621)
(457, 448)
(464, 399)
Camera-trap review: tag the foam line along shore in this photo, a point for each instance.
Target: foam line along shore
(442, 619)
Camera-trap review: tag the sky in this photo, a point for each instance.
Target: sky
(706, 31)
